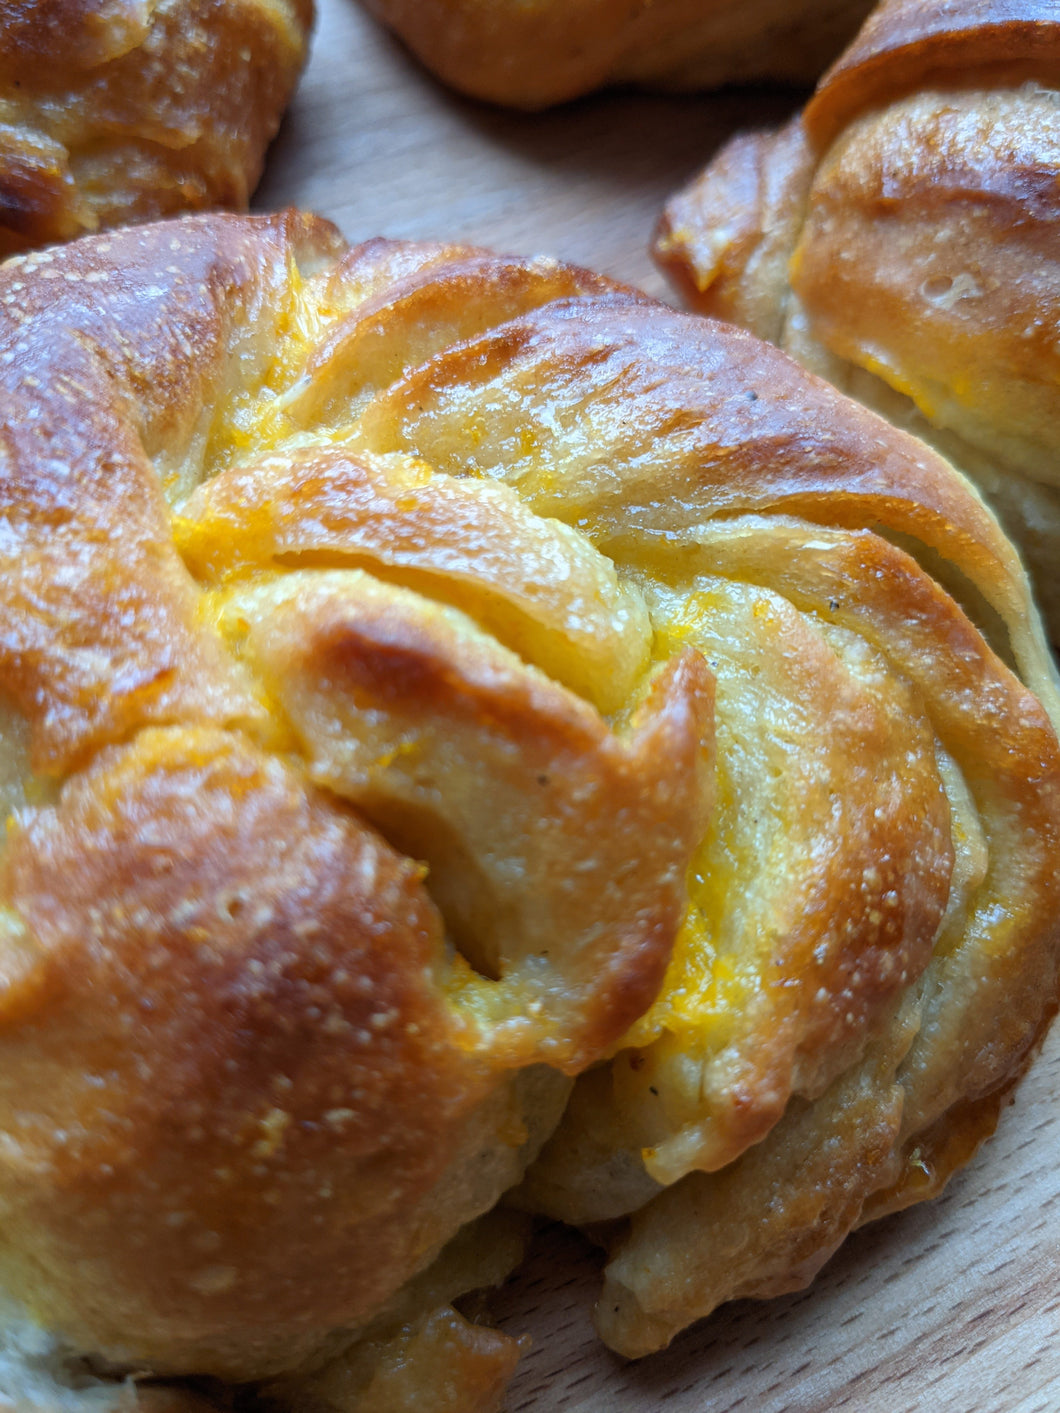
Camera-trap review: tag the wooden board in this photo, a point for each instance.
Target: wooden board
(954, 1305)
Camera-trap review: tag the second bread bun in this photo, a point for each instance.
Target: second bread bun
(123, 110)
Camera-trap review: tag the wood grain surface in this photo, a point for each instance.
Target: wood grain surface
(953, 1305)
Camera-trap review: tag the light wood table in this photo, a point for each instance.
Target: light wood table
(954, 1305)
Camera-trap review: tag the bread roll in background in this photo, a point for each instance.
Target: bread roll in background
(903, 239)
(530, 55)
(431, 676)
(124, 110)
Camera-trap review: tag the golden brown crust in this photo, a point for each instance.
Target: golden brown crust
(432, 674)
(538, 586)
(667, 422)
(123, 110)
(899, 240)
(927, 1091)
(532, 55)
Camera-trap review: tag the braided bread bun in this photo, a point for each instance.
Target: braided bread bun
(362, 613)
(531, 55)
(123, 110)
(900, 239)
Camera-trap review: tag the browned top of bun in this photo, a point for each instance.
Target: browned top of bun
(123, 110)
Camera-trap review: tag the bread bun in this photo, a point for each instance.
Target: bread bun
(123, 110)
(532, 55)
(900, 240)
(402, 646)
